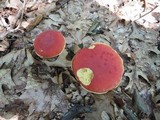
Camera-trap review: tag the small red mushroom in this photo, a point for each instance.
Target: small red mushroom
(98, 68)
(49, 44)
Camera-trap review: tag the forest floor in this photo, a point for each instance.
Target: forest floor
(32, 88)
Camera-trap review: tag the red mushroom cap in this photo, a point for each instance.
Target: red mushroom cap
(99, 68)
(49, 44)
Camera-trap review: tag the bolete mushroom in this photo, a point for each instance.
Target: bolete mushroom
(98, 68)
(49, 44)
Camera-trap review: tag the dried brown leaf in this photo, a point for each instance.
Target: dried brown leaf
(43, 97)
(102, 103)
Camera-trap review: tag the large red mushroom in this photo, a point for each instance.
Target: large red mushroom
(98, 68)
(49, 44)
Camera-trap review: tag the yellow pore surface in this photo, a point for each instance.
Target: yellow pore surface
(85, 75)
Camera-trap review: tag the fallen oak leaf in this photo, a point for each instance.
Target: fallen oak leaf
(43, 97)
(41, 13)
(130, 83)
(134, 75)
(155, 50)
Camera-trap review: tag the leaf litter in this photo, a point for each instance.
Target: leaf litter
(34, 88)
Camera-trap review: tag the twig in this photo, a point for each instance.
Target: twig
(22, 13)
(146, 13)
(145, 5)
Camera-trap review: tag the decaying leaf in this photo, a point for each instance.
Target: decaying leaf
(23, 59)
(5, 79)
(105, 116)
(95, 28)
(9, 57)
(19, 57)
(76, 110)
(29, 59)
(43, 97)
(136, 33)
(102, 103)
(158, 85)
(157, 113)
(128, 113)
(140, 103)
(134, 76)
(56, 18)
